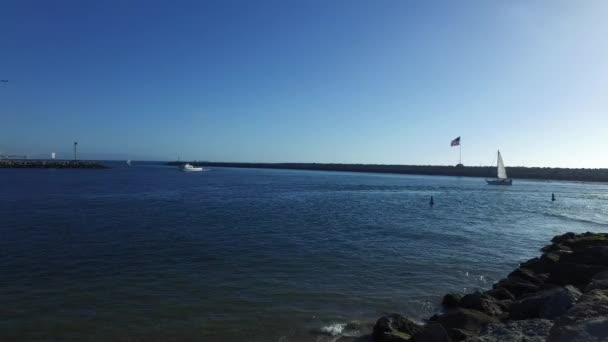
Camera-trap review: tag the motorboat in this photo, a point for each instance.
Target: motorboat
(189, 168)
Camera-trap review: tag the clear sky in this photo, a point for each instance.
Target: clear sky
(348, 81)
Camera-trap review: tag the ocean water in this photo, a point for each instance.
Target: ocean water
(148, 253)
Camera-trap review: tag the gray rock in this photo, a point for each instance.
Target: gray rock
(460, 322)
(545, 304)
(564, 237)
(599, 281)
(537, 265)
(587, 321)
(518, 287)
(593, 255)
(582, 241)
(560, 302)
(477, 301)
(551, 257)
(500, 293)
(461, 334)
(432, 332)
(366, 338)
(451, 300)
(589, 330)
(504, 305)
(556, 247)
(395, 328)
(532, 330)
(565, 273)
(529, 275)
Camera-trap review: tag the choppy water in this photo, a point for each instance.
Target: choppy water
(148, 253)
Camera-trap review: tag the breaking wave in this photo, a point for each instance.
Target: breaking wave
(335, 329)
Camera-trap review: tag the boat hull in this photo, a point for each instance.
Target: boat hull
(192, 169)
(189, 168)
(497, 181)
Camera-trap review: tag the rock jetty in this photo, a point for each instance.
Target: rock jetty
(50, 164)
(562, 296)
(546, 173)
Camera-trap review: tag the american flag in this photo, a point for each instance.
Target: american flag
(455, 142)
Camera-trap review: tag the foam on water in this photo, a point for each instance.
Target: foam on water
(334, 329)
(578, 218)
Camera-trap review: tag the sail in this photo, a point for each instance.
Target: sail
(502, 172)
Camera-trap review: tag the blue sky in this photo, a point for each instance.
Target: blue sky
(348, 81)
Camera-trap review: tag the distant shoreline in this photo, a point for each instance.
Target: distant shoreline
(541, 173)
(50, 164)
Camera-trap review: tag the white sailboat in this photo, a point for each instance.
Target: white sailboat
(501, 174)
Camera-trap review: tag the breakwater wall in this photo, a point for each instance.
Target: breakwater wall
(545, 173)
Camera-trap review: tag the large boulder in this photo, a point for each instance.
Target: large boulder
(461, 322)
(529, 276)
(537, 265)
(545, 304)
(587, 321)
(565, 273)
(432, 332)
(451, 300)
(599, 281)
(552, 257)
(593, 255)
(586, 240)
(500, 294)
(556, 247)
(586, 256)
(480, 302)
(532, 330)
(518, 287)
(558, 239)
(395, 328)
(559, 302)
(365, 338)
(504, 305)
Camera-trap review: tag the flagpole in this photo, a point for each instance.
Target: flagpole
(460, 154)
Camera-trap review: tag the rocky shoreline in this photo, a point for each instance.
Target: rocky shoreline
(561, 296)
(50, 164)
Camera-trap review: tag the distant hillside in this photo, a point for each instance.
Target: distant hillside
(547, 173)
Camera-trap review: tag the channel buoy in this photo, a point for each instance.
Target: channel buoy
(553, 197)
(432, 202)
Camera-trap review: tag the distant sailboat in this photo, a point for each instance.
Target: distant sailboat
(501, 174)
(129, 162)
